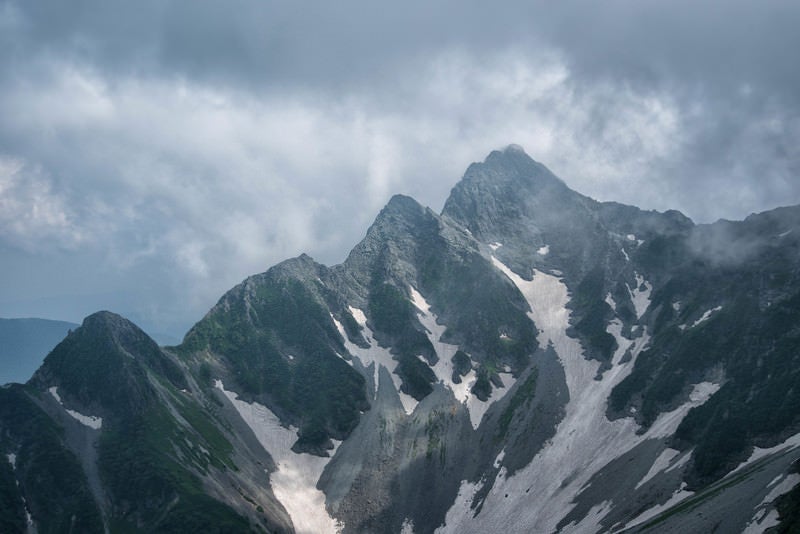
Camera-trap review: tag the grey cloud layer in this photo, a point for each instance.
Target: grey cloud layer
(173, 148)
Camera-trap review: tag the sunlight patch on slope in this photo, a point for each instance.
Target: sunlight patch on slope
(295, 481)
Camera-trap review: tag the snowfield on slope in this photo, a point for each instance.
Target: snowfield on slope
(295, 481)
(87, 420)
(541, 494)
(375, 355)
(767, 516)
(443, 369)
(705, 317)
(640, 295)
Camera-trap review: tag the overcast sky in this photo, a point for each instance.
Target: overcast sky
(153, 153)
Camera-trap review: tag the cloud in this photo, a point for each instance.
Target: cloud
(32, 216)
(175, 148)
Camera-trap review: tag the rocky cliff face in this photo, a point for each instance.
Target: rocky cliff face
(529, 360)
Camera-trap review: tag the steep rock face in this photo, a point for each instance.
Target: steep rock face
(411, 247)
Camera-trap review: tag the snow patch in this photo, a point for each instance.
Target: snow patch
(591, 522)
(631, 237)
(610, 301)
(676, 306)
(666, 423)
(650, 513)
(478, 408)
(706, 316)
(461, 510)
(661, 464)
(88, 420)
(702, 392)
(12, 459)
(443, 369)
(791, 443)
(683, 460)
(767, 517)
(377, 356)
(785, 486)
(624, 253)
(784, 234)
(407, 527)
(543, 251)
(495, 246)
(295, 481)
(623, 344)
(763, 520)
(640, 297)
(499, 460)
(358, 315)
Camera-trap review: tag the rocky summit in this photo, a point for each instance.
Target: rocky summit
(527, 360)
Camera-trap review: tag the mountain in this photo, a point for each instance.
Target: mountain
(24, 343)
(527, 360)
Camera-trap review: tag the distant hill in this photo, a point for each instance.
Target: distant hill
(24, 343)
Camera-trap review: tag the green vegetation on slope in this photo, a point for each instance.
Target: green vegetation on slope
(393, 315)
(54, 485)
(281, 344)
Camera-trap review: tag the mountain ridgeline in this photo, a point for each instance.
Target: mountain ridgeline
(528, 360)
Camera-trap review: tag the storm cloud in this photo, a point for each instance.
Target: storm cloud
(154, 154)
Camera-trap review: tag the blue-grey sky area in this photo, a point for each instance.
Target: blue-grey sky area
(154, 153)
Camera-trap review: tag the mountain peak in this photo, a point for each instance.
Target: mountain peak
(514, 148)
(402, 205)
(105, 319)
(401, 214)
(506, 187)
(110, 350)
